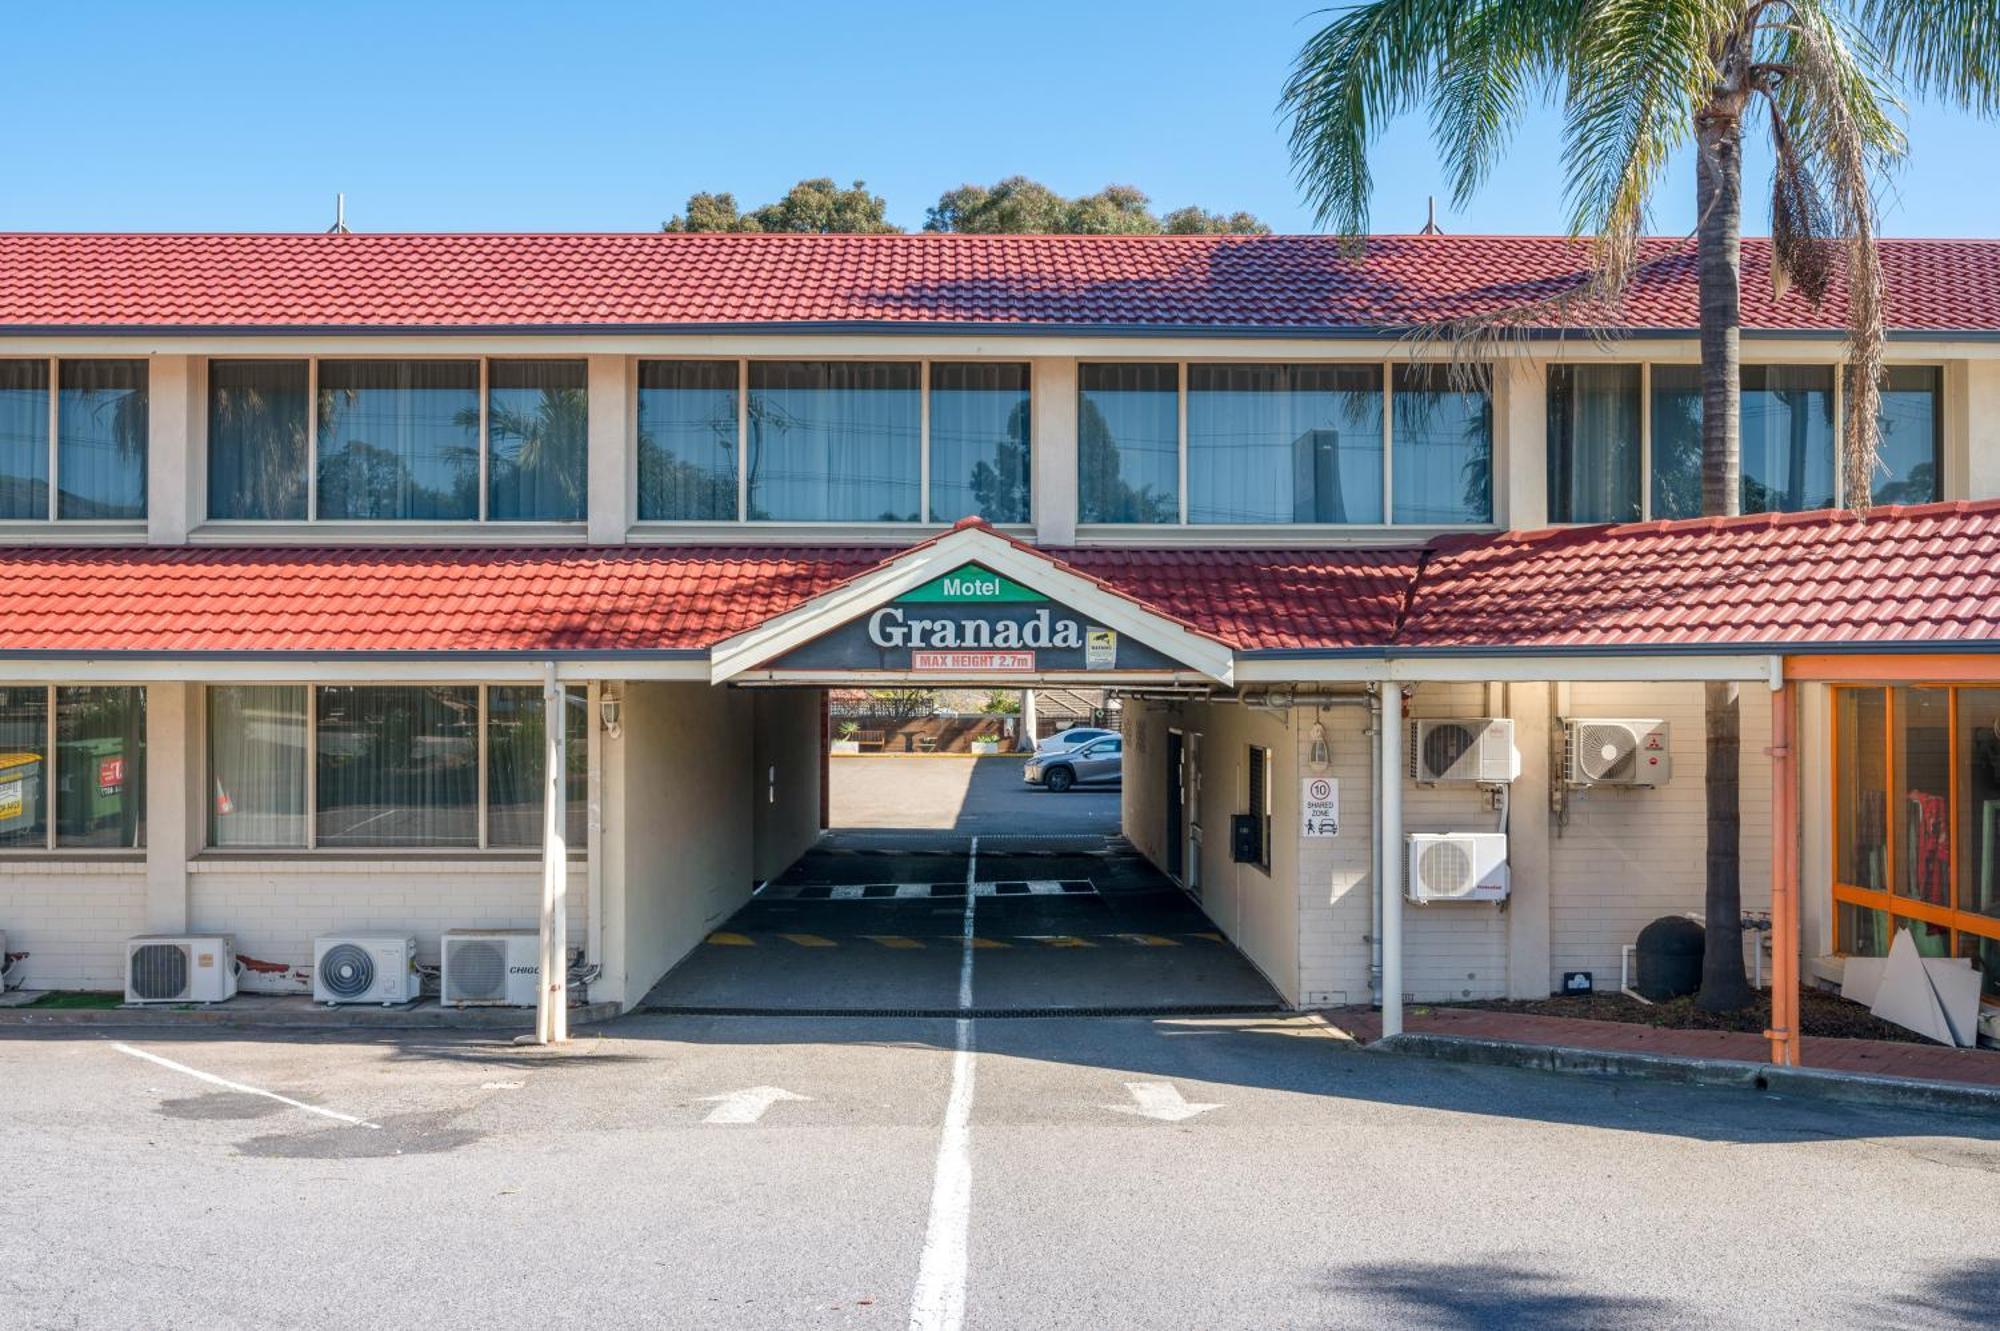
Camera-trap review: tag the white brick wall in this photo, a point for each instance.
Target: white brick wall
(72, 918)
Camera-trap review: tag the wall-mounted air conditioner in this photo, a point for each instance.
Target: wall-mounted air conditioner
(1457, 866)
(366, 968)
(181, 969)
(1616, 752)
(491, 968)
(1479, 748)
(8, 978)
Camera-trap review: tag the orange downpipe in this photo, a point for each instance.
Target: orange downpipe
(1784, 1031)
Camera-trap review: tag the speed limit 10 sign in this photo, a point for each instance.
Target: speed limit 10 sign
(1319, 806)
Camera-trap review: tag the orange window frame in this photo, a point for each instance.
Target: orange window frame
(1889, 902)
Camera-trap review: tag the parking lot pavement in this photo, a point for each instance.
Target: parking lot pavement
(961, 794)
(781, 1172)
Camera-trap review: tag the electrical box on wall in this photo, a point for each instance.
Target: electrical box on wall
(1246, 838)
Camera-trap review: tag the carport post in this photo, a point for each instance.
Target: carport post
(552, 1009)
(1389, 789)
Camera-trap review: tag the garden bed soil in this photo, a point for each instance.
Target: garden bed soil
(1821, 1014)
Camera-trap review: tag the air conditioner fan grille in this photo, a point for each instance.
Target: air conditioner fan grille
(159, 970)
(347, 971)
(478, 969)
(1443, 868)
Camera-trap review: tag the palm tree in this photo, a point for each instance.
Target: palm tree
(1638, 80)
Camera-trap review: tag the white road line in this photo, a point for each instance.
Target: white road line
(939, 1301)
(226, 1084)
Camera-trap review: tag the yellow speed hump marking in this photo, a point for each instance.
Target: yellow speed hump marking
(893, 941)
(808, 940)
(731, 940)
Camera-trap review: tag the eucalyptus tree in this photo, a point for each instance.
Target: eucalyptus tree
(1638, 82)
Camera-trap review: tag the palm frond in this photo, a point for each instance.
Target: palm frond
(1502, 53)
(1944, 48)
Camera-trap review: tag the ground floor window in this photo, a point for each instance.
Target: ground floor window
(1916, 822)
(434, 766)
(72, 768)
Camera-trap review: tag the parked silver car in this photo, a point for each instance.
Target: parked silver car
(1073, 738)
(1096, 763)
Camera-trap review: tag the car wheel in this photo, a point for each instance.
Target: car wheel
(1059, 779)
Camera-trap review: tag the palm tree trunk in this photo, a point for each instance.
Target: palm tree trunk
(1719, 190)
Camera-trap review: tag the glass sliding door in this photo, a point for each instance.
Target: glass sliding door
(398, 766)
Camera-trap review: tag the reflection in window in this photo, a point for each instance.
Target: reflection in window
(1912, 444)
(1128, 443)
(257, 765)
(1979, 800)
(24, 767)
(1594, 443)
(687, 441)
(1284, 443)
(1923, 785)
(1787, 448)
(1862, 789)
(834, 441)
(1443, 442)
(979, 442)
(257, 439)
(398, 766)
(100, 767)
(515, 739)
(101, 439)
(537, 432)
(24, 439)
(399, 440)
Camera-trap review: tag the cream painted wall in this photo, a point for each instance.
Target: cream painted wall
(1336, 877)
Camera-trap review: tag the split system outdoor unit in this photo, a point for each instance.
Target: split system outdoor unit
(1463, 749)
(1616, 752)
(1456, 866)
(491, 968)
(366, 968)
(198, 968)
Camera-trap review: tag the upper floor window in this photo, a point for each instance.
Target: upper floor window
(73, 439)
(382, 440)
(1604, 419)
(1268, 444)
(832, 441)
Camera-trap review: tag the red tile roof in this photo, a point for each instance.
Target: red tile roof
(653, 280)
(1900, 577)
(1922, 575)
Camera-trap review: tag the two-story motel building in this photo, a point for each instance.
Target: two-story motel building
(293, 526)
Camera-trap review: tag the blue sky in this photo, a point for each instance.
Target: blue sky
(605, 116)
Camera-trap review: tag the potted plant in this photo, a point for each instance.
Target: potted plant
(846, 743)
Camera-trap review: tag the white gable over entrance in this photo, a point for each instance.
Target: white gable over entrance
(973, 563)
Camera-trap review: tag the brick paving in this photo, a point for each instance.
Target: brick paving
(1883, 1058)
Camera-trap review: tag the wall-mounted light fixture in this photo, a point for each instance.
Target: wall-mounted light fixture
(608, 712)
(1320, 756)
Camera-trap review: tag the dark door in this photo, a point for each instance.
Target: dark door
(1176, 802)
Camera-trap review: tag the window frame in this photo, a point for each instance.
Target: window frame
(51, 788)
(1889, 901)
(1386, 367)
(1257, 781)
(53, 515)
(205, 392)
(483, 844)
(924, 516)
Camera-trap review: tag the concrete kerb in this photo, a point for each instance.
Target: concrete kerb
(1805, 1083)
(300, 1014)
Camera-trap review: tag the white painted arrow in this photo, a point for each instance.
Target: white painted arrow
(746, 1106)
(1161, 1100)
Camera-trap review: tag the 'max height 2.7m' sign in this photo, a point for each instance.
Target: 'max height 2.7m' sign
(973, 621)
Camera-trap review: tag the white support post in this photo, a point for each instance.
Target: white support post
(552, 1011)
(1026, 740)
(1390, 780)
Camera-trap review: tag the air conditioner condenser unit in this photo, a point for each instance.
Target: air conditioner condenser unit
(1461, 749)
(491, 968)
(199, 968)
(1600, 751)
(366, 968)
(1457, 866)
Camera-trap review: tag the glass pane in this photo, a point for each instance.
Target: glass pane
(24, 439)
(537, 439)
(1985, 954)
(979, 442)
(1864, 932)
(687, 441)
(514, 739)
(398, 766)
(257, 765)
(257, 439)
(1444, 449)
(1128, 443)
(1676, 441)
(1594, 443)
(1932, 940)
(1787, 438)
(24, 780)
(1284, 443)
(1979, 801)
(399, 440)
(1923, 778)
(100, 767)
(834, 441)
(101, 439)
(1912, 436)
(1861, 788)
